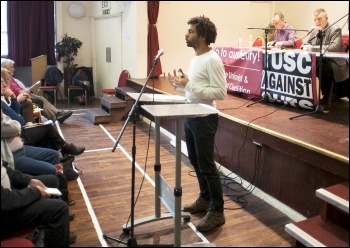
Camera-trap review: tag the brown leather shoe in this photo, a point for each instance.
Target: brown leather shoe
(200, 205)
(211, 220)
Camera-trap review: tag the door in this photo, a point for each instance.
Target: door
(108, 53)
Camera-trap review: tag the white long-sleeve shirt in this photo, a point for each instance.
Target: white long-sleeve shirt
(207, 80)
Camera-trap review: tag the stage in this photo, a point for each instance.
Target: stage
(287, 159)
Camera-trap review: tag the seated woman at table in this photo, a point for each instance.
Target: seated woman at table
(285, 35)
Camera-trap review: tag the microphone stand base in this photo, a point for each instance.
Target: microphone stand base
(117, 240)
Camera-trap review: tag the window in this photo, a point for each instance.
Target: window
(4, 40)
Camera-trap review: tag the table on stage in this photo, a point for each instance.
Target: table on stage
(291, 74)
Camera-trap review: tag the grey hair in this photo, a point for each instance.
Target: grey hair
(320, 11)
(5, 62)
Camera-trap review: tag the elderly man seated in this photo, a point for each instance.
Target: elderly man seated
(49, 111)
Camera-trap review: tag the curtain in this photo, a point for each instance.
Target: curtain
(31, 31)
(153, 43)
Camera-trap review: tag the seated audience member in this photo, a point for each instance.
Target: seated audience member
(27, 159)
(30, 159)
(49, 111)
(7, 155)
(42, 160)
(43, 136)
(332, 68)
(284, 33)
(25, 204)
(9, 100)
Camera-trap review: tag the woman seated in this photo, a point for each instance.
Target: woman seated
(49, 111)
(27, 159)
(44, 135)
(20, 104)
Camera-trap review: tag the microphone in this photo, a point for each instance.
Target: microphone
(311, 29)
(160, 53)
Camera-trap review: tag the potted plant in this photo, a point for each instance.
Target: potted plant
(66, 50)
(271, 32)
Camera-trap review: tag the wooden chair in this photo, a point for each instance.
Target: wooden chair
(51, 81)
(121, 83)
(75, 87)
(298, 43)
(81, 80)
(55, 89)
(108, 92)
(259, 42)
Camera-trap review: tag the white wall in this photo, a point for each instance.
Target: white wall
(231, 18)
(79, 28)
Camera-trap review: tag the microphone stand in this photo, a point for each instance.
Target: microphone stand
(319, 109)
(132, 114)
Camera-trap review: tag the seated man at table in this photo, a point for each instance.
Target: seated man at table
(335, 69)
(284, 33)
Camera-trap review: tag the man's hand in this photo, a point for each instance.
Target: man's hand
(176, 81)
(36, 182)
(44, 194)
(279, 44)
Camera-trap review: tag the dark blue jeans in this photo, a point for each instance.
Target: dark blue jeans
(200, 138)
(36, 160)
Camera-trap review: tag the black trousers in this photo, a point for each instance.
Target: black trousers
(327, 77)
(53, 214)
(43, 136)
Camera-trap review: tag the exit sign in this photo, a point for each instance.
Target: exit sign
(106, 7)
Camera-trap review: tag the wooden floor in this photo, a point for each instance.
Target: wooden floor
(102, 193)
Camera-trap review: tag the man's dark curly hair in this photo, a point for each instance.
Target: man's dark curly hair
(204, 28)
